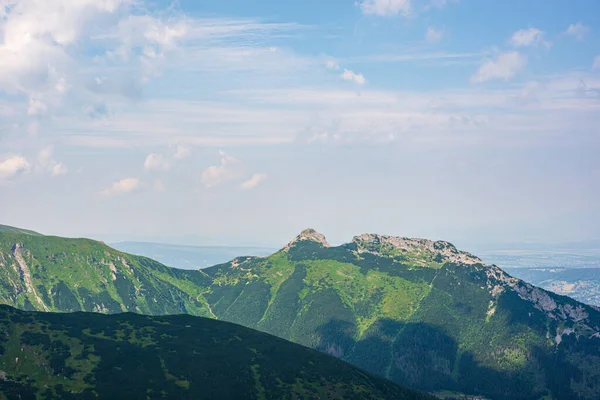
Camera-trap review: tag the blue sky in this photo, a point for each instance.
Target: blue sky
(237, 122)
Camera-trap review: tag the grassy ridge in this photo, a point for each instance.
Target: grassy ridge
(56, 274)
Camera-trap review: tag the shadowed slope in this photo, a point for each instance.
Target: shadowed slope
(130, 356)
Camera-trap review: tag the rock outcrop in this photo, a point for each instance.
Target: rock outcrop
(445, 250)
(308, 235)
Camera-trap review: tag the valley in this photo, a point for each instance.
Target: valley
(573, 272)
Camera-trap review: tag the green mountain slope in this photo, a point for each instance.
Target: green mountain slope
(421, 313)
(130, 356)
(48, 273)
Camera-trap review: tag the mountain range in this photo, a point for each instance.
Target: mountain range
(421, 313)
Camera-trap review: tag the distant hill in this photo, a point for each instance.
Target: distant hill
(189, 257)
(574, 273)
(544, 259)
(421, 313)
(130, 356)
(582, 284)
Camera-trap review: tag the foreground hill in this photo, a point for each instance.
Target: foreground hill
(421, 313)
(130, 356)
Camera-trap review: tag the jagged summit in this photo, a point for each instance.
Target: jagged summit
(377, 244)
(373, 243)
(309, 234)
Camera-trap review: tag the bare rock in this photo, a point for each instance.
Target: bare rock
(308, 235)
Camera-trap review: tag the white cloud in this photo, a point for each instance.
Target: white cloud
(181, 152)
(267, 115)
(432, 58)
(160, 162)
(505, 66)
(147, 38)
(58, 169)
(347, 75)
(36, 107)
(530, 94)
(126, 185)
(332, 64)
(41, 50)
(12, 166)
(578, 30)
(229, 169)
(254, 181)
(47, 164)
(386, 7)
(156, 162)
(596, 64)
(351, 76)
(433, 35)
(45, 157)
(528, 37)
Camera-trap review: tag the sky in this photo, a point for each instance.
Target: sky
(244, 122)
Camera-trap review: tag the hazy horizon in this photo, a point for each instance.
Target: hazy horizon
(192, 241)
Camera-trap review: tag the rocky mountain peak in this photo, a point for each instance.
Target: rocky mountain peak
(309, 235)
(369, 242)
